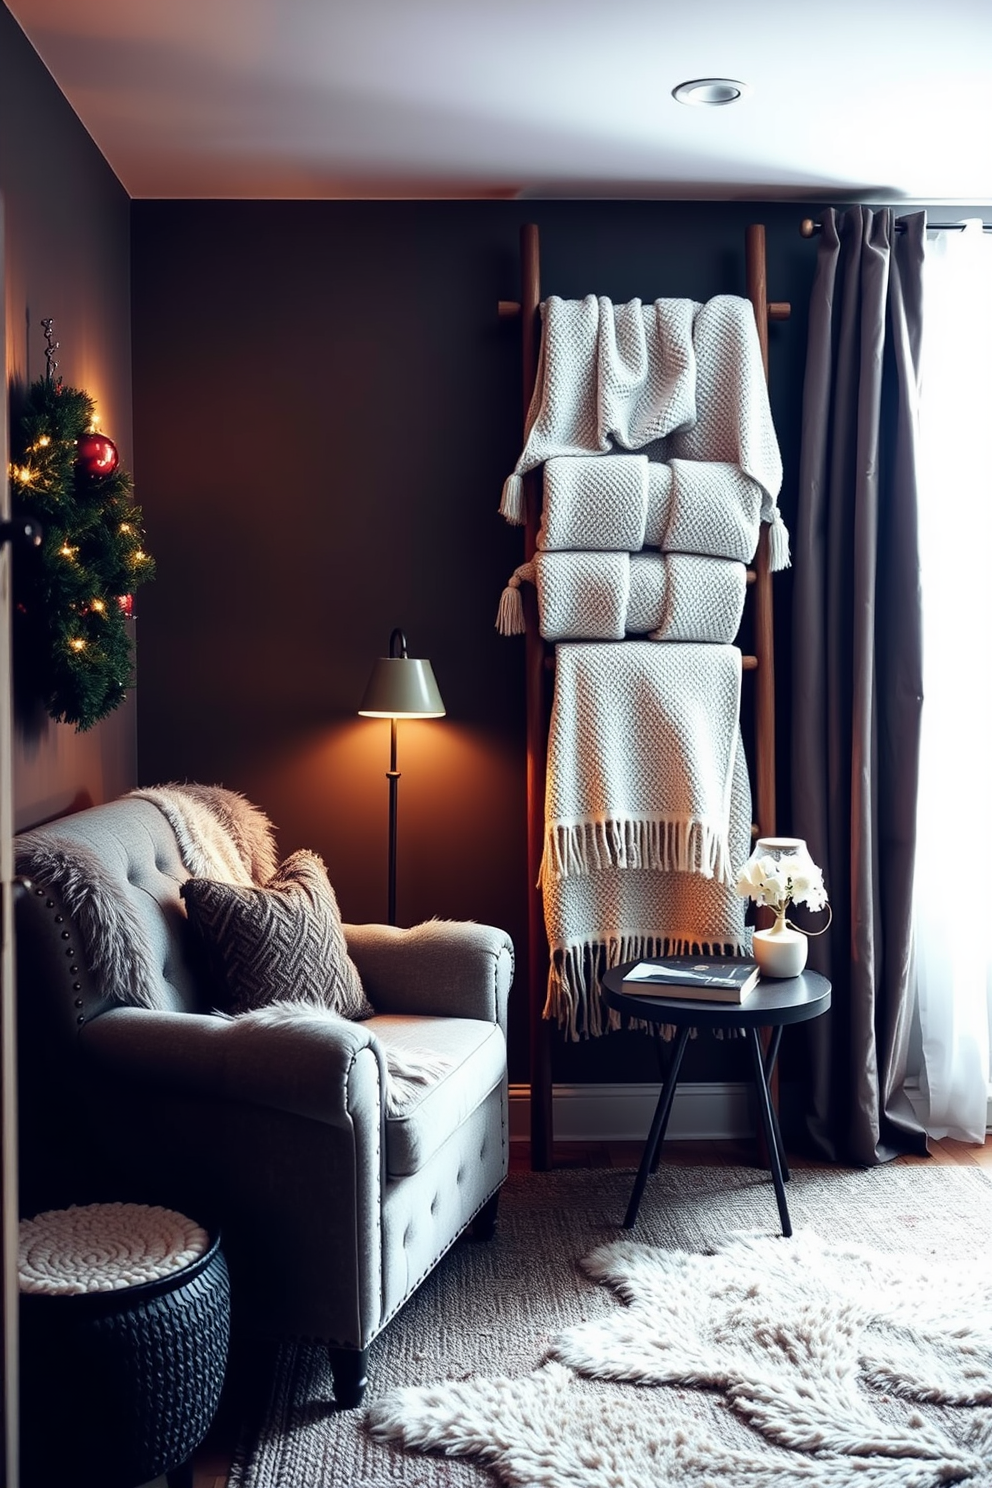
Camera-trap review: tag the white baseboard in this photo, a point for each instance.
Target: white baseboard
(622, 1113)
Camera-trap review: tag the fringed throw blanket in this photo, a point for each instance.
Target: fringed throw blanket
(607, 596)
(681, 379)
(623, 503)
(640, 758)
(595, 921)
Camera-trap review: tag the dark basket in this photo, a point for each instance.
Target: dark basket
(119, 1387)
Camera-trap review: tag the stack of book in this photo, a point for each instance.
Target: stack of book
(693, 978)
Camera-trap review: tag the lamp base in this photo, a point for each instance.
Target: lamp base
(780, 951)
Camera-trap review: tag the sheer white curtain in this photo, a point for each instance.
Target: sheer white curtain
(953, 881)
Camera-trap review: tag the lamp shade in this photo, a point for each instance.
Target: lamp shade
(402, 687)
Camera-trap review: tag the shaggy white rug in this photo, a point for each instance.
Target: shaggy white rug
(832, 1365)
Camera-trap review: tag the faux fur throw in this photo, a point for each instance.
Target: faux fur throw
(626, 502)
(213, 826)
(118, 952)
(607, 596)
(640, 758)
(678, 379)
(221, 835)
(596, 920)
(408, 1071)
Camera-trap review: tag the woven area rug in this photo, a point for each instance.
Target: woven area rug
(553, 1367)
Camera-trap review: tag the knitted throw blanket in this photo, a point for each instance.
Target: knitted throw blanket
(596, 920)
(609, 375)
(626, 502)
(606, 596)
(640, 758)
(682, 378)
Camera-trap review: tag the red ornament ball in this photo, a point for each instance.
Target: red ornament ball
(96, 454)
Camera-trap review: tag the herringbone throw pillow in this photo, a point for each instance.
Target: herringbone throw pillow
(280, 943)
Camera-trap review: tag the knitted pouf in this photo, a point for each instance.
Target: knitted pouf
(125, 1323)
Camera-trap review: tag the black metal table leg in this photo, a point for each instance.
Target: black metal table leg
(770, 1127)
(659, 1126)
(664, 1048)
(771, 1055)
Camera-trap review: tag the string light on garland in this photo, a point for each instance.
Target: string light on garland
(74, 593)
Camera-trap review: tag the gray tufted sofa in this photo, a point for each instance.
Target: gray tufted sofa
(331, 1212)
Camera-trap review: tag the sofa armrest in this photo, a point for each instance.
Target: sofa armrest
(442, 968)
(317, 1066)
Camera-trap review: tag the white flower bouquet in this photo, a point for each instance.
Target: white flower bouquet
(780, 872)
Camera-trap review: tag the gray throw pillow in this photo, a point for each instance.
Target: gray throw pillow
(280, 943)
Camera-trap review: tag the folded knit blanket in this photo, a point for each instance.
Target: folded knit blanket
(595, 921)
(640, 758)
(607, 596)
(682, 378)
(626, 502)
(734, 420)
(607, 374)
(623, 375)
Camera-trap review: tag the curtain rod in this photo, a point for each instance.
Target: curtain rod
(808, 228)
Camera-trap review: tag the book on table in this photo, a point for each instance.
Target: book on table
(693, 978)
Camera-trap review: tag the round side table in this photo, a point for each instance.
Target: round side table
(772, 1004)
(124, 1332)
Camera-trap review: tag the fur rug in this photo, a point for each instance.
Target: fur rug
(825, 1353)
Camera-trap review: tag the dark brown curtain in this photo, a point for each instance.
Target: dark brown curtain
(857, 673)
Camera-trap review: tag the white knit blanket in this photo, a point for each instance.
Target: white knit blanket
(733, 416)
(640, 758)
(610, 375)
(607, 596)
(597, 920)
(680, 379)
(626, 502)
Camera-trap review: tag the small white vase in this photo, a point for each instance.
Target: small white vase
(780, 951)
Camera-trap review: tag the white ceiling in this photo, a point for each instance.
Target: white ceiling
(882, 100)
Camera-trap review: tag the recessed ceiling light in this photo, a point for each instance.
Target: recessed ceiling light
(710, 92)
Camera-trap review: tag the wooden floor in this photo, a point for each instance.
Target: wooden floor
(242, 1393)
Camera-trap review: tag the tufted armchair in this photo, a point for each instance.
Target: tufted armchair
(334, 1198)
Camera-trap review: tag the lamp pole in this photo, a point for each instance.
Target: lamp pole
(393, 776)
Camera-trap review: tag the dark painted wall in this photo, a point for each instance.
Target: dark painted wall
(326, 405)
(67, 257)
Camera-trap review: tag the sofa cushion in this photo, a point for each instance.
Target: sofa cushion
(475, 1055)
(280, 943)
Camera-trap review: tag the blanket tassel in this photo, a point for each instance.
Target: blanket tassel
(512, 505)
(510, 616)
(779, 556)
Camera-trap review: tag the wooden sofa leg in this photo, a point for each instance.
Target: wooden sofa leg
(484, 1223)
(349, 1368)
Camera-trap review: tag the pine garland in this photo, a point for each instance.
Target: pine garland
(72, 650)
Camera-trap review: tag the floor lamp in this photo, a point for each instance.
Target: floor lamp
(400, 686)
